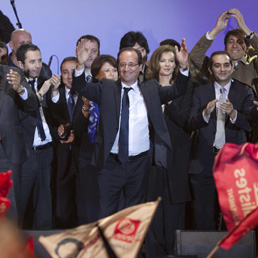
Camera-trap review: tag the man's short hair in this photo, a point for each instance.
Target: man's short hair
(90, 38)
(98, 62)
(69, 58)
(216, 53)
(23, 49)
(3, 45)
(238, 34)
(170, 42)
(131, 49)
(131, 38)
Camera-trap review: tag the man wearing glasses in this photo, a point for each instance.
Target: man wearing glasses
(138, 41)
(131, 122)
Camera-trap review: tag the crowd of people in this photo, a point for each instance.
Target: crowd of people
(111, 133)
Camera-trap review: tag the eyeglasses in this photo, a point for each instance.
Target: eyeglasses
(130, 65)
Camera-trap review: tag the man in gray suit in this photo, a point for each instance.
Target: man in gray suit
(131, 121)
(15, 95)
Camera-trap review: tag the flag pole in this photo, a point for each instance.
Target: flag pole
(214, 250)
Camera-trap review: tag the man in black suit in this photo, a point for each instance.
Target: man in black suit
(36, 171)
(205, 109)
(64, 174)
(124, 155)
(138, 41)
(15, 95)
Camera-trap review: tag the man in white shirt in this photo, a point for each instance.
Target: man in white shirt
(131, 121)
(217, 121)
(37, 169)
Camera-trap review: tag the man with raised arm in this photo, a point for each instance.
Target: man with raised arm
(236, 43)
(131, 122)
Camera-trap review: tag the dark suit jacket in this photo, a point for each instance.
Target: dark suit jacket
(241, 96)
(107, 94)
(176, 116)
(10, 104)
(28, 121)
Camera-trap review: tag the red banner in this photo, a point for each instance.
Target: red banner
(235, 172)
(5, 186)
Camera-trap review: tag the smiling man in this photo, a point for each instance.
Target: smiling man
(219, 112)
(131, 121)
(236, 43)
(37, 169)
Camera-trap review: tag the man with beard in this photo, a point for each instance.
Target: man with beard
(37, 169)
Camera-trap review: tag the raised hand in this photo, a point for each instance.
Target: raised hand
(240, 20)
(82, 54)
(14, 78)
(221, 24)
(182, 55)
(55, 81)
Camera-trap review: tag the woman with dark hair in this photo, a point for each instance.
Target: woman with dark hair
(104, 66)
(85, 123)
(172, 183)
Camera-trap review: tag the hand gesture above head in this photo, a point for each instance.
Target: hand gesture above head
(82, 54)
(240, 20)
(182, 55)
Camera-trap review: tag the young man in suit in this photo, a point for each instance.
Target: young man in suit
(15, 96)
(217, 122)
(37, 169)
(18, 38)
(123, 153)
(65, 169)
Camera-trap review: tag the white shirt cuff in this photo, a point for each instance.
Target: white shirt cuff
(56, 98)
(78, 73)
(233, 121)
(24, 96)
(185, 73)
(206, 119)
(208, 36)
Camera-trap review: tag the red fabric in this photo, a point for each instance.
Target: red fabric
(5, 186)
(30, 247)
(235, 172)
(5, 183)
(245, 226)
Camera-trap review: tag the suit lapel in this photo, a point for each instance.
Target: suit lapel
(211, 97)
(146, 96)
(117, 95)
(232, 92)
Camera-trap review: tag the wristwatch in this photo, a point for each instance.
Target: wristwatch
(85, 109)
(22, 90)
(250, 36)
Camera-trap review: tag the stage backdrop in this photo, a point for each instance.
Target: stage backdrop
(56, 25)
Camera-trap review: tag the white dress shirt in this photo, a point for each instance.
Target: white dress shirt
(217, 95)
(139, 137)
(37, 140)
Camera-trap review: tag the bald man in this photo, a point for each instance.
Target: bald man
(18, 38)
